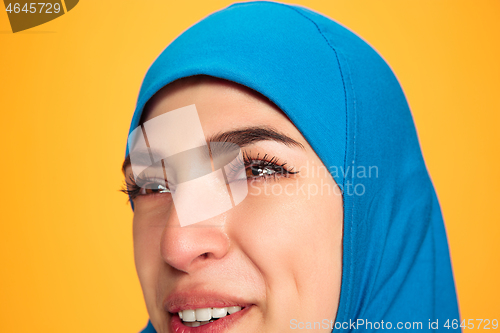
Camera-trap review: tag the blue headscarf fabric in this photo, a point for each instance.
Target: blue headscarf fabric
(349, 106)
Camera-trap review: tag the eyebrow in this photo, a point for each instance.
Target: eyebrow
(244, 137)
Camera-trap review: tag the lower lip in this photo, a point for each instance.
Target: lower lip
(218, 326)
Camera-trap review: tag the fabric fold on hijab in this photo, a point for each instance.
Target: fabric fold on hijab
(349, 106)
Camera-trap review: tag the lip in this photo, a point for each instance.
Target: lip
(198, 300)
(220, 325)
(192, 300)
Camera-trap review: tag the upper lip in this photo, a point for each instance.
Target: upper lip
(190, 300)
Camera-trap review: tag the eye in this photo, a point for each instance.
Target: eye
(143, 186)
(153, 188)
(256, 168)
(261, 168)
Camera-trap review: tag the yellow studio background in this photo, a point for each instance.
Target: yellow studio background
(68, 91)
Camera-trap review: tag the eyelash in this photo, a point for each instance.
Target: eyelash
(258, 164)
(261, 164)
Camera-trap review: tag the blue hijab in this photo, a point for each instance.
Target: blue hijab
(349, 106)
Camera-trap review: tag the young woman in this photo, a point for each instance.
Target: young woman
(339, 227)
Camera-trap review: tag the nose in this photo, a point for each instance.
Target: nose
(189, 247)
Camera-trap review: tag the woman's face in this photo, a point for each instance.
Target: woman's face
(277, 254)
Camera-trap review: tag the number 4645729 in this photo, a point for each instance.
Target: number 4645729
(34, 8)
(484, 324)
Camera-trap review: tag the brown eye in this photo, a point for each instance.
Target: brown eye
(153, 189)
(257, 169)
(253, 171)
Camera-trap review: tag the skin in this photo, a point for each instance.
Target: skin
(280, 252)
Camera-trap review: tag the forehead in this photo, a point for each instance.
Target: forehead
(222, 105)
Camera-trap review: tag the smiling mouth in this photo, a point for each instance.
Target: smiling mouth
(204, 316)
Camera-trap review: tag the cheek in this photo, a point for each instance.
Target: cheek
(295, 241)
(150, 219)
(147, 254)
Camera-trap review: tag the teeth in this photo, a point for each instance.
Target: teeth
(193, 324)
(219, 312)
(233, 309)
(195, 318)
(197, 323)
(188, 315)
(203, 314)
